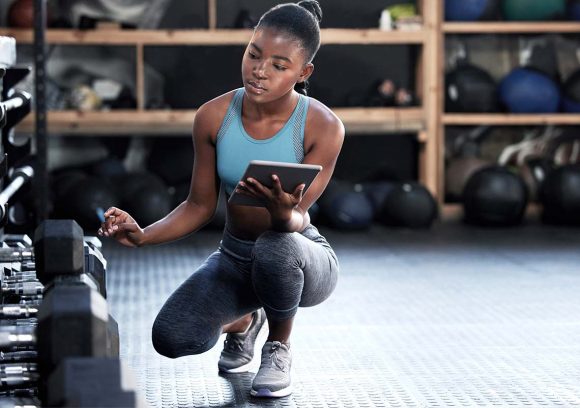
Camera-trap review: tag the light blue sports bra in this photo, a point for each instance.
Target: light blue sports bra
(235, 147)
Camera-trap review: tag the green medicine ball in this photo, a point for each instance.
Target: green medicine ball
(533, 10)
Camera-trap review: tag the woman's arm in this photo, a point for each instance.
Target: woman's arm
(199, 207)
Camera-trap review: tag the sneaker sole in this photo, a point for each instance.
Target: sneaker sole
(266, 393)
(237, 370)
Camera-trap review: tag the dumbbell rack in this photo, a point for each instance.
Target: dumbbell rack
(58, 343)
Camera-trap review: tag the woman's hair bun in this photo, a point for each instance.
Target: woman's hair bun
(313, 7)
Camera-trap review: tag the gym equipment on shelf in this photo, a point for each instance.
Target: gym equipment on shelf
(471, 10)
(574, 10)
(494, 196)
(408, 205)
(464, 160)
(526, 10)
(469, 88)
(560, 196)
(571, 93)
(525, 90)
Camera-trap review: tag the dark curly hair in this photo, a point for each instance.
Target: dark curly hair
(300, 20)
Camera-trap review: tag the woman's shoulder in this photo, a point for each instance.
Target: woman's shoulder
(218, 105)
(321, 118)
(210, 115)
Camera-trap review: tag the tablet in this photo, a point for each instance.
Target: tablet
(291, 175)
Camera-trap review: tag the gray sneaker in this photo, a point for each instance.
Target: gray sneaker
(273, 377)
(239, 347)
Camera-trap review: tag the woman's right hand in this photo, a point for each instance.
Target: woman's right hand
(122, 227)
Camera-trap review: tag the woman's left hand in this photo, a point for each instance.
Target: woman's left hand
(279, 203)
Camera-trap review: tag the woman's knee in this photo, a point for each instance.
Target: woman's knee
(172, 341)
(279, 249)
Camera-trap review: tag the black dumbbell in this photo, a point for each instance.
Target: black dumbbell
(92, 382)
(60, 255)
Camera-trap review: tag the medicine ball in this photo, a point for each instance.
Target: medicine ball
(409, 205)
(145, 196)
(525, 90)
(172, 160)
(470, 89)
(560, 196)
(534, 172)
(108, 167)
(533, 10)
(21, 14)
(470, 10)
(571, 97)
(458, 171)
(313, 212)
(345, 208)
(85, 200)
(494, 196)
(377, 192)
(574, 10)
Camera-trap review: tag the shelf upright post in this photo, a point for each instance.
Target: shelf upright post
(212, 14)
(140, 76)
(431, 63)
(40, 180)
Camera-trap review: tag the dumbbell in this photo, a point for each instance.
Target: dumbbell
(16, 254)
(60, 259)
(90, 382)
(14, 375)
(18, 178)
(21, 356)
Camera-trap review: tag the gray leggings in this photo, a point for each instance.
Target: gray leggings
(280, 271)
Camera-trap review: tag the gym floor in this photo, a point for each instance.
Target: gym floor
(455, 316)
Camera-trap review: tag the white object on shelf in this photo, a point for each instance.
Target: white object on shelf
(7, 51)
(386, 21)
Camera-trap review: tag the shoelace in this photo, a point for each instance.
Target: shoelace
(273, 356)
(233, 343)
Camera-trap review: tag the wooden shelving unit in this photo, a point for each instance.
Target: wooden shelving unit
(505, 27)
(504, 119)
(421, 121)
(178, 122)
(427, 121)
(510, 119)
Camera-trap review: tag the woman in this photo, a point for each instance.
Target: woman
(271, 260)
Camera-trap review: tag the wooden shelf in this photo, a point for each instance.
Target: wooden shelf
(499, 119)
(206, 37)
(179, 122)
(503, 27)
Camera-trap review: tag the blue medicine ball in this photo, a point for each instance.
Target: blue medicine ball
(574, 10)
(526, 90)
(470, 10)
(345, 208)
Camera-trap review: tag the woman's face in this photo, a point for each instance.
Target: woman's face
(272, 64)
